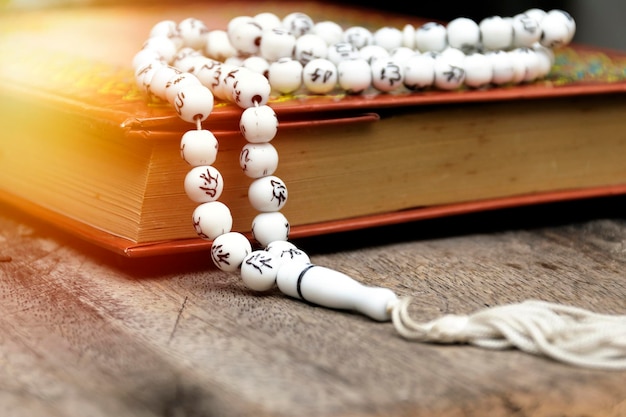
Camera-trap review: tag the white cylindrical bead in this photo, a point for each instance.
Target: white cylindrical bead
(259, 270)
(203, 184)
(258, 124)
(198, 147)
(431, 37)
(258, 159)
(287, 251)
(270, 227)
(268, 194)
(193, 102)
(285, 75)
(212, 219)
(354, 75)
(319, 76)
(387, 74)
(329, 288)
(229, 250)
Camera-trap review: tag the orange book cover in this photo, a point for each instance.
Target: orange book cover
(77, 61)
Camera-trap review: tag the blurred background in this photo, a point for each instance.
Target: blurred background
(599, 22)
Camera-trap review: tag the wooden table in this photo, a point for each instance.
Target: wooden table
(86, 333)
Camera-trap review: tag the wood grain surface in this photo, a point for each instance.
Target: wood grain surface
(86, 333)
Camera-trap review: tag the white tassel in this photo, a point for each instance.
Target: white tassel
(567, 334)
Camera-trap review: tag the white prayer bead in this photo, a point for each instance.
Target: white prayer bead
(496, 33)
(258, 124)
(555, 31)
(163, 45)
(342, 51)
(545, 60)
(208, 72)
(159, 80)
(526, 30)
(408, 36)
(250, 89)
(225, 75)
(358, 36)
(184, 59)
(257, 64)
(236, 60)
(330, 31)
(354, 75)
(569, 21)
(449, 73)
(144, 57)
(229, 250)
(298, 23)
(388, 37)
(193, 102)
(144, 74)
(519, 66)
(503, 71)
(319, 76)
(529, 60)
(267, 20)
(310, 46)
(258, 159)
(212, 219)
(192, 31)
(372, 52)
(259, 269)
(198, 147)
(245, 36)
(203, 184)
(217, 45)
(276, 44)
(270, 227)
(431, 37)
(478, 71)
(536, 14)
(285, 75)
(287, 251)
(268, 194)
(463, 34)
(178, 81)
(387, 75)
(401, 54)
(419, 71)
(167, 28)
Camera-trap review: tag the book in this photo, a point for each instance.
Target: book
(84, 149)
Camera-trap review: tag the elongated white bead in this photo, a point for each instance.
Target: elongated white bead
(329, 288)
